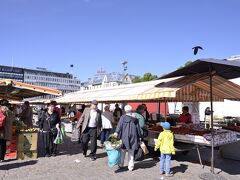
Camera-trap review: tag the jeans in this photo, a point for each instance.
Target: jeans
(130, 159)
(165, 158)
(90, 134)
(104, 135)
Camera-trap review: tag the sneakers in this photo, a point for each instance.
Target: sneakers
(85, 155)
(169, 175)
(161, 173)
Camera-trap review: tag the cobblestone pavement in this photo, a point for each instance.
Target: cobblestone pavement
(64, 167)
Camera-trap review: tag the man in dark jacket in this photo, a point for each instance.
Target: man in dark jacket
(128, 129)
(49, 122)
(91, 122)
(117, 113)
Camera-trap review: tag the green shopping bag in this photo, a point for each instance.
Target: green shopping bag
(59, 138)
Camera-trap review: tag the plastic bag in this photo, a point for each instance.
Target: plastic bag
(75, 135)
(139, 154)
(114, 157)
(59, 138)
(144, 148)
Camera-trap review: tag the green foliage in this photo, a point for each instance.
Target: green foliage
(146, 77)
(186, 64)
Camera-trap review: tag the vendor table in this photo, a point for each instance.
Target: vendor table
(221, 137)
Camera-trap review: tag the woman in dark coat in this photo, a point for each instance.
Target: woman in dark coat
(128, 129)
(49, 124)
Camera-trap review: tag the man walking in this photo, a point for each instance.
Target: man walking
(91, 122)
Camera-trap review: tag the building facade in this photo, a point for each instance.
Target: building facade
(16, 74)
(64, 82)
(103, 79)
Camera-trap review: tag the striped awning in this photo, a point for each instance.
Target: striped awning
(196, 88)
(189, 89)
(17, 91)
(130, 92)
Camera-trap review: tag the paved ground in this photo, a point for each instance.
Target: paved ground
(65, 167)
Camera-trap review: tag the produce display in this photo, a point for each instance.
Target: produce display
(29, 130)
(113, 143)
(192, 129)
(232, 128)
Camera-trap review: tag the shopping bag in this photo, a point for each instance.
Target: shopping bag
(144, 148)
(59, 138)
(139, 154)
(63, 131)
(114, 157)
(75, 135)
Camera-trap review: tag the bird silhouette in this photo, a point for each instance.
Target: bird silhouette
(196, 48)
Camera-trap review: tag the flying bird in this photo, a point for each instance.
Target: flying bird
(196, 48)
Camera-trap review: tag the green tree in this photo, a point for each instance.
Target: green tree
(137, 79)
(146, 77)
(186, 64)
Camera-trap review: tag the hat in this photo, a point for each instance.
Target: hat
(128, 108)
(165, 125)
(94, 102)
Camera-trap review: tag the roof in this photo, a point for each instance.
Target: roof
(189, 88)
(17, 91)
(111, 77)
(220, 67)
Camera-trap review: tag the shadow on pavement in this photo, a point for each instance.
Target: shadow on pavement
(101, 155)
(145, 164)
(17, 165)
(67, 148)
(182, 168)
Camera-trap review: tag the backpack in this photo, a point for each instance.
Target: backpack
(2, 120)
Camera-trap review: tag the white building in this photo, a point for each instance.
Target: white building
(103, 79)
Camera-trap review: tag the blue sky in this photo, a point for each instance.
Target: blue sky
(153, 35)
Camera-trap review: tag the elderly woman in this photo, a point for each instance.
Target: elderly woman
(107, 120)
(128, 129)
(49, 123)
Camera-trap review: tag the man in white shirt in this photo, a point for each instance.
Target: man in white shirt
(91, 122)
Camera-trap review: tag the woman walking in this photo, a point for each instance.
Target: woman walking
(128, 130)
(107, 120)
(49, 126)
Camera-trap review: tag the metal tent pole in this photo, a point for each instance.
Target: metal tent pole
(212, 130)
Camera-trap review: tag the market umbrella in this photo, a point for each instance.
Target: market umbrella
(220, 67)
(13, 90)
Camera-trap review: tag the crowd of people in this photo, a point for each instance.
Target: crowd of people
(9, 113)
(92, 124)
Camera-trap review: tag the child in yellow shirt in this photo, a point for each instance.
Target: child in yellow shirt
(165, 143)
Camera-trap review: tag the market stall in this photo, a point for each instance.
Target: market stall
(24, 141)
(212, 67)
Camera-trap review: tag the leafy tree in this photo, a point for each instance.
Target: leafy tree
(146, 77)
(137, 79)
(186, 64)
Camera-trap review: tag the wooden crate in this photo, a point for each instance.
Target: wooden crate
(27, 138)
(27, 155)
(27, 146)
(27, 142)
